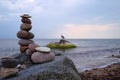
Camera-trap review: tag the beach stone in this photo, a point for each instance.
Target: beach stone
(23, 49)
(32, 47)
(43, 49)
(31, 35)
(28, 52)
(25, 42)
(25, 35)
(8, 62)
(8, 72)
(39, 57)
(26, 27)
(24, 20)
(26, 16)
(61, 68)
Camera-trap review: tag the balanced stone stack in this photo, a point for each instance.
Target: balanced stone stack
(24, 35)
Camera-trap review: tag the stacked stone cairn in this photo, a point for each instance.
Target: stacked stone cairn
(24, 34)
(37, 54)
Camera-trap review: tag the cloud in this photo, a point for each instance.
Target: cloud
(87, 31)
(21, 6)
(98, 18)
(71, 3)
(3, 18)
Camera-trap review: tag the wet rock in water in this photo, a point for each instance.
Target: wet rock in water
(8, 62)
(61, 68)
(26, 27)
(25, 42)
(39, 57)
(8, 72)
(43, 49)
(32, 47)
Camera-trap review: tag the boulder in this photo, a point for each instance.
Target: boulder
(39, 57)
(61, 68)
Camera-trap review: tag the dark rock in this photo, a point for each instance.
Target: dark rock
(24, 20)
(57, 53)
(25, 35)
(61, 68)
(25, 42)
(26, 27)
(23, 59)
(9, 62)
(28, 52)
(23, 49)
(26, 16)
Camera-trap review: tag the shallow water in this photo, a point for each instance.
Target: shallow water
(90, 53)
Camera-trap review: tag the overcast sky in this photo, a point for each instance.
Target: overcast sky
(72, 18)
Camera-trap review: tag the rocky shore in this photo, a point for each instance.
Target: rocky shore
(111, 72)
(61, 68)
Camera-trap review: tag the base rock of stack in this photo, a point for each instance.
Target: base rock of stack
(61, 68)
(39, 57)
(25, 42)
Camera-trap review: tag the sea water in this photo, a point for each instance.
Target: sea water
(90, 53)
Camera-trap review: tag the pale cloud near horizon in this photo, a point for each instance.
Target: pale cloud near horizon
(88, 31)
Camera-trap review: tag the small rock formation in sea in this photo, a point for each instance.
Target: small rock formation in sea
(24, 35)
(62, 44)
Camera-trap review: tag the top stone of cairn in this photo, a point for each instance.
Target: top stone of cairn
(25, 16)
